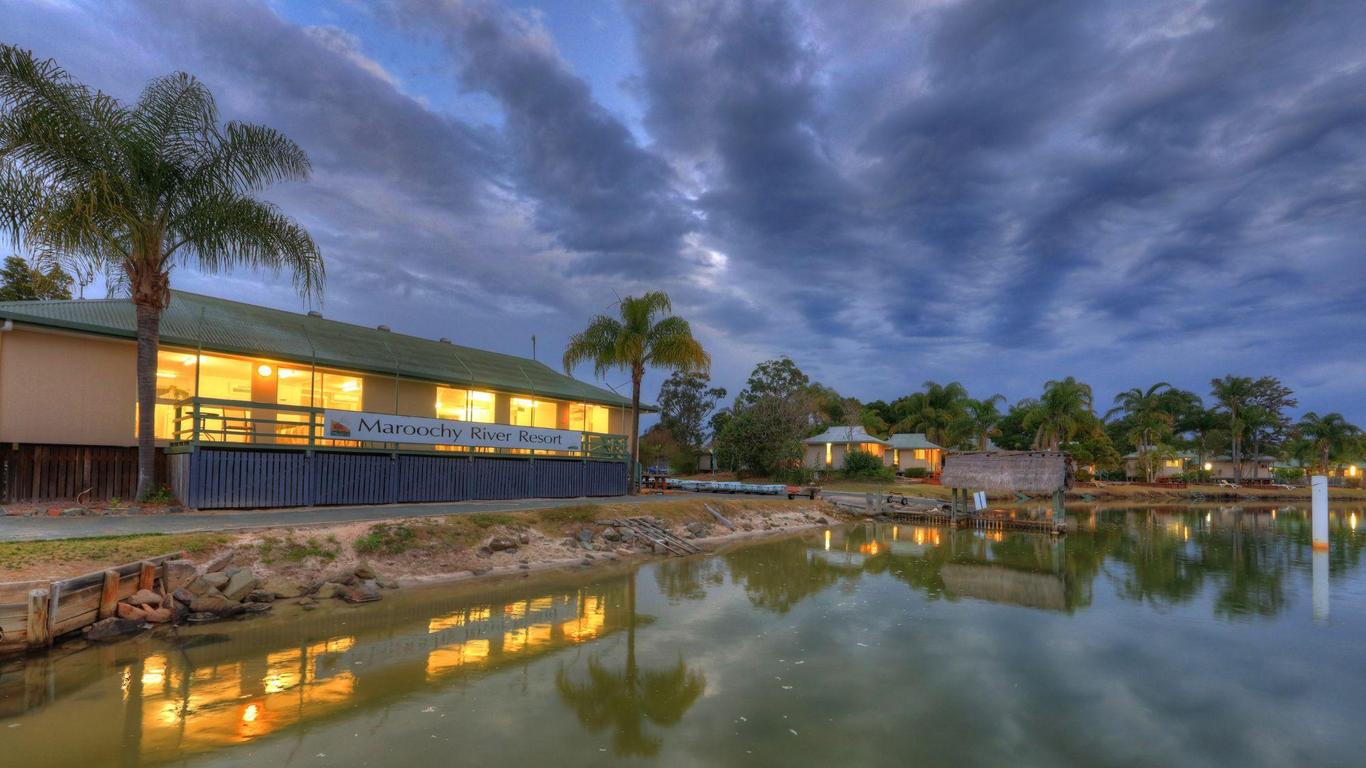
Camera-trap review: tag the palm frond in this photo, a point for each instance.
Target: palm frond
(227, 230)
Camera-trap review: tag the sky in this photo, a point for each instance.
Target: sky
(986, 191)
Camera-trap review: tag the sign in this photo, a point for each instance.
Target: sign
(388, 428)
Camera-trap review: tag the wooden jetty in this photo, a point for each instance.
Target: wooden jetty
(656, 534)
(33, 614)
(1049, 472)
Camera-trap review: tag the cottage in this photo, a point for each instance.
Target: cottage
(1255, 468)
(1167, 467)
(828, 449)
(260, 407)
(914, 451)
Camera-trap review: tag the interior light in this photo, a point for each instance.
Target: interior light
(249, 714)
(187, 360)
(1208, 466)
(165, 375)
(263, 369)
(351, 385)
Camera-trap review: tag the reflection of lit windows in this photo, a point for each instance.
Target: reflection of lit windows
(449, 621)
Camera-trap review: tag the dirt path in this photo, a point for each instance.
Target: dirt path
(50, 528)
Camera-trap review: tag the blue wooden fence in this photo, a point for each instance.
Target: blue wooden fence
(209, 478)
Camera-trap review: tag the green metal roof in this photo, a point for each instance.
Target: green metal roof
(193, 320)
(911, 440)
(844, 434)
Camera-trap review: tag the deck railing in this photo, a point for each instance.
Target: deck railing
(203, 421)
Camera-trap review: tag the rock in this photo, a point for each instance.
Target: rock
(524, 537)
(178, 574)
(587, 546)
(364, 592)
(568, 544)
(201, 617)
(385, 582)
(768, 526)
(282, 587)
(747, 525)
(218, 563)
(345, 578)
(585, 535)
(144, 597)
(611, 534)
(502, 544)
(74, 511)
(130, 612)
(256, 607)
(585, 561)
(588, 557)
(524, 566)
(484, 552)
(260, 596)
(112, 628)
(215, 580)
(479, 571)
(159, 616)
(695, 528)
(216, 604)
(659, 549)
(823, 520)
(330, 590)
(364, 571)
(239, 585)
(306, 602)
(183, 596)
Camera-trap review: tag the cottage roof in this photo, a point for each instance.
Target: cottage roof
(845, 434)
(911, 440)
(219, 325)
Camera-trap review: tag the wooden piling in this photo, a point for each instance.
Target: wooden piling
(109, 595)
(147, 575)
(38, 636)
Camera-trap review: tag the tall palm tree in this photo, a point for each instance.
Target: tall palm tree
(1065, 411)
(938, 411)
(646, 335)
(1148, 418)
(1332, 436)
(1234, 394)
(142, 188)
(983, 415)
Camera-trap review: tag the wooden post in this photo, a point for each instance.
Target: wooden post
(147, 576)
(109, 596)
(1059, 511)
(38, 635)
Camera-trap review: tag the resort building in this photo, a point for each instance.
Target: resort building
(912, 450)
(1255, 468)
(828, 449)
(262, 407)
(1168, 467)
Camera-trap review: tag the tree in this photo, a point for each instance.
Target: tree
(141, 188)
(685, 402)
(1333, 438)
(773, 378)
(21, 282)
(770, 416)
(1149, 420)
(1234, 395)
(939, 411)
(1203, 425)
(1064, 412)
(983, 416)
(646, 334)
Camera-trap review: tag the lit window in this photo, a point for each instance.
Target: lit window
(481, 406)
(526, 412)
(829, 454)
(339, 391)
(174, 383)
(452, 404)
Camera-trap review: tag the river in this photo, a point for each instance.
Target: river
(1203, 636)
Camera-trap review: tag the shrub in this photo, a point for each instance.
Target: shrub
(916, 472)
(862, 464)
(386, 538)
(1287, 474)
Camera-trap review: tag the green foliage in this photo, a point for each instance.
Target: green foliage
(1287, 474)
(685, 402)
(21, 282)
(386, 539)
(274, 549)
(940, 411)
(491, 519)
(159, 494)
(864, 465)
(574, 515)
(916, 473)
(763, 431)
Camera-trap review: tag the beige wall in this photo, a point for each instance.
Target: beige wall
(906, 457)
(68, 389)
(415, 398)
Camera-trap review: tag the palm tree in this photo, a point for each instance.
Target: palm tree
(1202, 424)
(1234, 395)
(625, 701)
(1149, 419)
(1331, 435)
(647, 335)
(984, 416)
(1065, 411)
(939, 411)
(142, 188)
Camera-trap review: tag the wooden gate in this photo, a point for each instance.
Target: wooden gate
(51, 472)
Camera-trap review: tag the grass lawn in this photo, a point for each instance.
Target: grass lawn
(73, 557)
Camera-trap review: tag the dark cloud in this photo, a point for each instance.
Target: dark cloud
(984, 190)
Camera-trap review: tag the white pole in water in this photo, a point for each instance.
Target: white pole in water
(1318, 491)
(1320, 587)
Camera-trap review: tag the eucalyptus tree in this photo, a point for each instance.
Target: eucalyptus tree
(143, 188)
(645, 334)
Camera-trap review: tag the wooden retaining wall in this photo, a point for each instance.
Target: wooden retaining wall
(33, 614)
(31, 472)
(211, 478)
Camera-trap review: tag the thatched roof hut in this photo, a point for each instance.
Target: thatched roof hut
(1027, 471)
(1003, 585)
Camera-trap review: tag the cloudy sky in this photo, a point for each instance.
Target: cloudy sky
(982, 190)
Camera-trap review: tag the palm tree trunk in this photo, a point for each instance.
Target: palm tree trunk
(636, 374)
(149, 336)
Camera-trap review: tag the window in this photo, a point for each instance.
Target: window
(481, 406)
(590, 418)
(829, 454)
(526, 412)
(175, 382)
(452, 404)
(338, 391)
